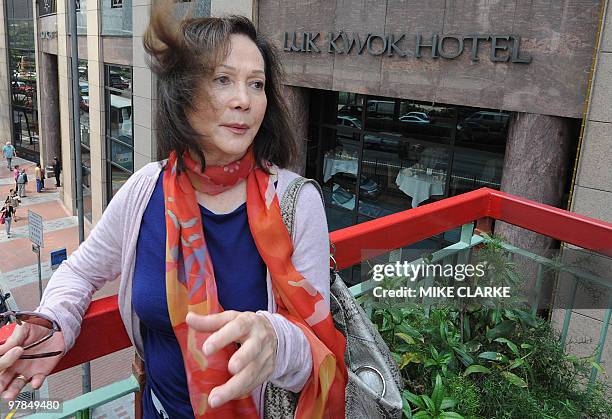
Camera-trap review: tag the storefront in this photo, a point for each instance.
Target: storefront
(404, 103)
(411, 105)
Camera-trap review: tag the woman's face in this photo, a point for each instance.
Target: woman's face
(236, 88)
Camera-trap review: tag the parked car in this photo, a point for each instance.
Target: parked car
(494, 121)
(348, 121)
(352, 110)
(367, 187)
(420, 115)
(414, 119)
(388, 141)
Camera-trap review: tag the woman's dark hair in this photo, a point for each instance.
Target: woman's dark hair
(185, 52)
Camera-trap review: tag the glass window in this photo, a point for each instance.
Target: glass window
(22, 68)
(376, 156)
(81, 7)
(482, 129)
(119, 129)
(85, 141)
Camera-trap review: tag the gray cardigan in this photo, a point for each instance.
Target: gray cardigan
(109, 253)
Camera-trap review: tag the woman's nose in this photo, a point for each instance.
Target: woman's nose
(241, 98)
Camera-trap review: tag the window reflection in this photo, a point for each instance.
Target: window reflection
(22, 62)
(376, 156)
(473, 170)
(340, 164)
(119, 128)
(483, 130)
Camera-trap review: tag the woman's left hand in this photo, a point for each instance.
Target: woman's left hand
(252, 364)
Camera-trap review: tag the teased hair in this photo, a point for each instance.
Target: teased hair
(183, 52)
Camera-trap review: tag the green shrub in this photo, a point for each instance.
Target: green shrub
(486, 359)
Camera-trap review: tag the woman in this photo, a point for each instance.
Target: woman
(15, 202)
(57, 169)
(229, 302)
(8, 213)
(38, 174)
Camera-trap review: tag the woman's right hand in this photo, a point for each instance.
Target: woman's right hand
(35, 370)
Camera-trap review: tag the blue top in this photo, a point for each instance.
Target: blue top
(9, 151)
(241, 286)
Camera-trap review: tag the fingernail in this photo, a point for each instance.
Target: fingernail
(212, 401)
(208, 348)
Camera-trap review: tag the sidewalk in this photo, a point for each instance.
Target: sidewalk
(19, 276)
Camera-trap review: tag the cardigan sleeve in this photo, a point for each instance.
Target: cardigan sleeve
(96, 261)
(311, 259)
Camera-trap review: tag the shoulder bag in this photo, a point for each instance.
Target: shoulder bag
(374, 382)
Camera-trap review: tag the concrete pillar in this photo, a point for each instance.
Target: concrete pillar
(144, 90)
(49, 105)
(536, 157)
(97, 140)
(535, 167)
(5, 86)
(298, 99)
(592, 197)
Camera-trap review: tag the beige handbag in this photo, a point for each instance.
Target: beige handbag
(374, 381)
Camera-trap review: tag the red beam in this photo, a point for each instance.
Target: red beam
(407, 227)
(559, 224)
(102, 333)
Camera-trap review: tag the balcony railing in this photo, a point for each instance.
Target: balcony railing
(473, 212)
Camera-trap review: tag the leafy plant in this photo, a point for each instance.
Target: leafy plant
(482, 358)
(426, 407)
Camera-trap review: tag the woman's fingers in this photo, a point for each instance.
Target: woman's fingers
(38, 380)
(236, 387)
(225, 328)
(243, 356)
(14, 388)
(8, 359)
(212, 322)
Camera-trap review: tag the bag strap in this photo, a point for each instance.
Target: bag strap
(288, 204)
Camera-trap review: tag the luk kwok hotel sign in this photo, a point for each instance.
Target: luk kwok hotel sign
(497, 48)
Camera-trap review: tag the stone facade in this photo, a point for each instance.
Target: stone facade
(558, 36)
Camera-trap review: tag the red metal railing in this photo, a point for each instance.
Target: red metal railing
(102, 332)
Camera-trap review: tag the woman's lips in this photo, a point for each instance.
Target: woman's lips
(236, 130)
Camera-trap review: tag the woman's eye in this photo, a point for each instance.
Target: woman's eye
(222, 79)
(258, 85)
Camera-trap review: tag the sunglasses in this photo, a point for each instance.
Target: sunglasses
(37, 319)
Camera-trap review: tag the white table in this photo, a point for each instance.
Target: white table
(419, 187)
(333, 165)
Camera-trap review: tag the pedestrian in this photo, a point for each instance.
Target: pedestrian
(9, 152)
(57, 168)
(212, 200)
(15, 202)
(43, 176)
(38, 173)
(16, 173)
(7, 213)
(22, 180)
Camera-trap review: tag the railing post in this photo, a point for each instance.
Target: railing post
(138, 371)
(484, 225)
(538, 289)
(568, 314)
(602, 341)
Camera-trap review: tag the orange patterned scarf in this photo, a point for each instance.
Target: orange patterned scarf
(190, 286)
